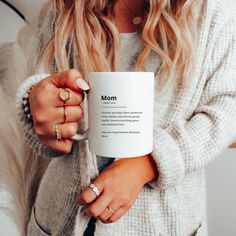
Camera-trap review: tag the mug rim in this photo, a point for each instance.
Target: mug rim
(121, 72)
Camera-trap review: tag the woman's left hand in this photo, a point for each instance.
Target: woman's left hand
(119, 185)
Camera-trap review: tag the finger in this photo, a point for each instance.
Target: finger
(116, 216)
(67, 130)
(68, 114)
(58, 115)
(107, 213)
(67, 79)
(63, 145)
(75, 98)
(99, 206)
(88, 196)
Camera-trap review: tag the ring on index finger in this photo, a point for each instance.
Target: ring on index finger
(65, 114)
(65, 95)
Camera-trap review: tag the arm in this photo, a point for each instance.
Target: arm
(181, 148)
(27, 124)
(32, 40)
(188, 145)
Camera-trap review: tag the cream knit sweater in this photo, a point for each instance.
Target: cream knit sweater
(191, 127)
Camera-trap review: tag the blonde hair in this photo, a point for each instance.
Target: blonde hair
(170, 30)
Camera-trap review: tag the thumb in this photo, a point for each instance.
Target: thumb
(70, 79)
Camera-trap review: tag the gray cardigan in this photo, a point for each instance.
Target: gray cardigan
(191, 127)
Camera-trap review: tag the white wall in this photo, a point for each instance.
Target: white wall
(7, 227)
(30, 8)
(10, 23)
(221, 191)
(221, 174)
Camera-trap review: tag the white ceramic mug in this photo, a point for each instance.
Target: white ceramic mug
(120, 114)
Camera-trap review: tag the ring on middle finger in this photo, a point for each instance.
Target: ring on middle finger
(65, 114)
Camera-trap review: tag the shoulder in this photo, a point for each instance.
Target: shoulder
(219, 12)
(216, 36)
(218, 21)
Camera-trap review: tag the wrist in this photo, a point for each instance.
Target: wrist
(145, 167)
(149, 168)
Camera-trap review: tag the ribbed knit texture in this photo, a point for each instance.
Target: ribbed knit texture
(191, 127)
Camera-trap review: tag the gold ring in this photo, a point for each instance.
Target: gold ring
(58, 131)
(65, 95)
(95, 189)
(113, 212)
(65, 114)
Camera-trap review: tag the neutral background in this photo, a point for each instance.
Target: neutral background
(221, 174)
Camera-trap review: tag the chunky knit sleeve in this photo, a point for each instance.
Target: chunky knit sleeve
(188, 145)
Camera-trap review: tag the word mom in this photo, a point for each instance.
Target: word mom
(108, 98)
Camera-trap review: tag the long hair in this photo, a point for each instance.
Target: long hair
(170, 30)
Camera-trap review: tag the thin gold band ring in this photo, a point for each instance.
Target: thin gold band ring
(112, 211)
(65, 114)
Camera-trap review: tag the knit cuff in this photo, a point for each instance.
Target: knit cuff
(167, 157)
(22, 98)
(22, 90)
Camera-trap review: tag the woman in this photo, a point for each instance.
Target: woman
(191, 48)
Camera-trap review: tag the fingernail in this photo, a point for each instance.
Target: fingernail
(82, 84)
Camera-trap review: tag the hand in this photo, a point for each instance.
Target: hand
(47, 108)
(119, 185)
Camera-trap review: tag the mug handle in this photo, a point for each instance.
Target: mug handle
(80, 137)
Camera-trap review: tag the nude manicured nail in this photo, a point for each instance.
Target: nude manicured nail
(82, 84)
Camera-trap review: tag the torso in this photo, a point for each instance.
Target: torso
(174, 211)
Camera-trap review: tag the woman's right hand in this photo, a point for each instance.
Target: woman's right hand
(47, 108)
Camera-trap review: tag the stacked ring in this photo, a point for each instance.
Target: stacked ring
(58, 131)
(95, 189)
